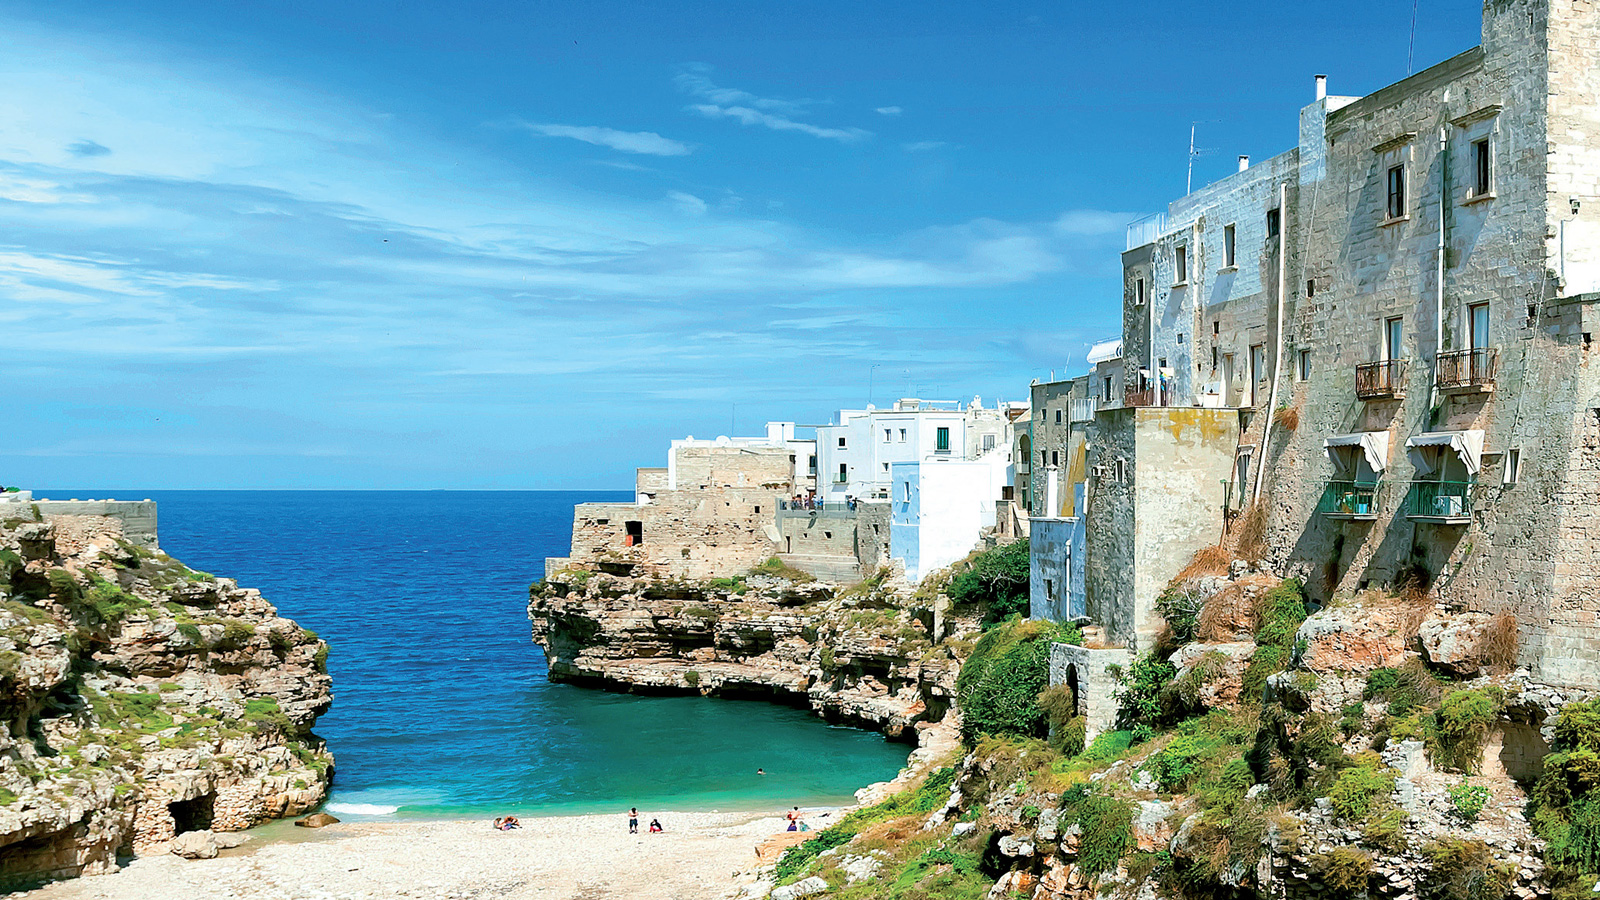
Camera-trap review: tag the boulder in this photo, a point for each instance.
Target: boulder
(805, 887)
(1152, 828)
(230, 840)
(1220, 667)
(860, 868)
(1353, 639)
(316, 820)
(1451, 642)
(1011, 845)
(195, 845)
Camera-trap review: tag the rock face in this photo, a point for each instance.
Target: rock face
(863, 656)
(142, 700)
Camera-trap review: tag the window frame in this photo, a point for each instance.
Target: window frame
(1230, 258)
(1180, 265)
(1482, 157)
(1396, 198)
(941, 439)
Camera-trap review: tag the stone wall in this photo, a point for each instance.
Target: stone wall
(1089, 673)
(718, 522)
(137, 517)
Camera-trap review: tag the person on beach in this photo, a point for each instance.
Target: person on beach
(633, 820)
(655, 826)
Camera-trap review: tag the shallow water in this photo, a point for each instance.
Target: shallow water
(442, 706)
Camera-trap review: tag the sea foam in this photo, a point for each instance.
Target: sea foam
(362, 809)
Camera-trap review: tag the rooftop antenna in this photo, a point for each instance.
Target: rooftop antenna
(1188, 185)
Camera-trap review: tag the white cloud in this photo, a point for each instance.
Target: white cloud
(746, 116)
(750, 109)
(645, 142)
(889, 110)
(920, 146)
(688, 204)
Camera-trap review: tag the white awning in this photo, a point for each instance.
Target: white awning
(1374, 445)
(1424, 449)
(1105, 350)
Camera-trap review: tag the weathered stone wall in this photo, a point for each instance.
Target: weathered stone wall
(137, 517)
(1050, 435)
(824, 532)
(1087, 672)
(872, 534)
(719, 521)
(1144, 527)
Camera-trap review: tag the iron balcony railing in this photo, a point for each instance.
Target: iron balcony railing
(1382, 379)
(1441, 501)
(1351, 499)
(1473, 368)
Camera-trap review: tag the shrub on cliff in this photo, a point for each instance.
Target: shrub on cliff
(999, 685)
(996, 579)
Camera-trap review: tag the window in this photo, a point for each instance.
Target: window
(886, 433)
(988, 442)
(1044, 457)
(941, 440)
(844, 473)
(1180, 337)
(885, 468)
(1393, 338)
(1274, 222)
(635, 533)
(811, 464)
(1180, 264)
(1227, 247)
(1138, 291)
(1055, 457)
(1106, 390)
(1216, 327)
(1122, 472)
(1058, 417)
(1513, 467)
(1397, 192)
(1311, 287)
(1305, 365)
(1481, 170)
(1478, 325)
(841, 443)
(902, 435)
(1214, 351)
(1258, 369)
(907, 496)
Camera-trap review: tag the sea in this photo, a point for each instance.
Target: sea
(442, 708)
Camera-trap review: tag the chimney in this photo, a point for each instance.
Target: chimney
(1322, 87)
(1244, 162)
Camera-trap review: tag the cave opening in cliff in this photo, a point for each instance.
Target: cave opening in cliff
(194, 814)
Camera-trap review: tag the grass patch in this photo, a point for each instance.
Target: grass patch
(999, 685)
(777, 568)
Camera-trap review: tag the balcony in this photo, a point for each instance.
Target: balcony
(1468, 371)
(1146, 397)
(1383, 380)
(1351, 501)
(1080, 410)
(1440, 502)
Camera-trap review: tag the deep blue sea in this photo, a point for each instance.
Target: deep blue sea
(441, 703)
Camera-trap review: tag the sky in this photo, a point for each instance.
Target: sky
(494, 245)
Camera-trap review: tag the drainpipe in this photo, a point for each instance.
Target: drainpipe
(1438, 270)
(1277, 341)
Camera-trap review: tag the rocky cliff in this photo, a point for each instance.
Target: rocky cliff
(869, 655)
(142, 700)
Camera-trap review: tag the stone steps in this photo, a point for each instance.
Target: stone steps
(842, 569)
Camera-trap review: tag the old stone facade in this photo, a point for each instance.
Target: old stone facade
(1400, 309)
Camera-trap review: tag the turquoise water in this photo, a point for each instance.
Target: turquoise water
(442, 708)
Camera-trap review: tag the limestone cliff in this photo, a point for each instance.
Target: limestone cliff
(868, 654)
(141, 699)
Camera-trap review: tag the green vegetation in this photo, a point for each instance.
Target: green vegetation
(263, 713)
(1362, 788)
(1180, 606)
(691, 678)
(999, 685)
(705, 613)
(133, 711)
(1464, 870)
(1344, 869)
(7, 797)
(777, 568)
(1468, 800)
(1456, 732)
(734, 585)
(996, 579)
(1107, 824)
(1279, 613)
(1143, 701)
(1565, 810)
(921, 800)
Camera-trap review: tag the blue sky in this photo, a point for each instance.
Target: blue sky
(507, 245)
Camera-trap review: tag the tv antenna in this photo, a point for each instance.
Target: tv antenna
(1188, 184)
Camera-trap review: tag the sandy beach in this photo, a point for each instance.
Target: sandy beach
(699, 857)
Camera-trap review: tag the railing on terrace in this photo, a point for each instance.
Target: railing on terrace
(1146, 397)
(1355, 500)
(1444, 502)
(1081, 409)
(802, 507)
(1145, 230)
(1468, 369)
(1383, 379)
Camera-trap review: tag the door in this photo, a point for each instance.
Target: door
(1393, 338)
(1478, 339)
(1258, 365)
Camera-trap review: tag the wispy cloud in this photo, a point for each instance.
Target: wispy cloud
(645, 142)
(688, 204)
(87, 148)
(750, 109)
(920, 146)
(889, 110)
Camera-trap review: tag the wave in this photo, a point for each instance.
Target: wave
(363, 809)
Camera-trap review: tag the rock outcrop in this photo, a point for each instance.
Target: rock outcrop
(142, 701)
(864, 655)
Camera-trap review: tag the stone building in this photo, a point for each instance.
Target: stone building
(856, 451)
(1387, 331)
